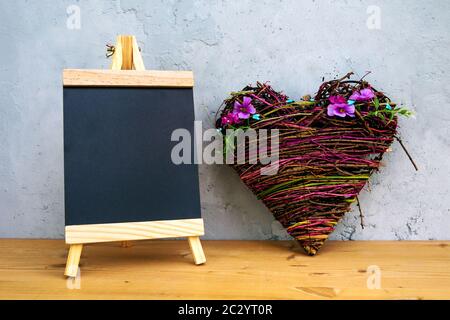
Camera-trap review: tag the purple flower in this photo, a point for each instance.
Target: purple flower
(363, 95)
(229, 119)
(339, 107)
(245, 109)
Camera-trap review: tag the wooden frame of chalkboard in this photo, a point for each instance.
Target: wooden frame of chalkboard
(96, 197)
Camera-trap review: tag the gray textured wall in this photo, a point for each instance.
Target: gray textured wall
(229, 44)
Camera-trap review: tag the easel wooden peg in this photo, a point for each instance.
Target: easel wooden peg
(127, 55)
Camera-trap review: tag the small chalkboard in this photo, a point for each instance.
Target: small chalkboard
(117, 155)
(120, 181)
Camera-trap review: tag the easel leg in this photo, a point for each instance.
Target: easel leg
(197, 250)
(73, 259)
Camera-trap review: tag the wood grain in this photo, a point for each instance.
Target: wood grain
(127, 55)
(129, 231)
(127, 52)
(127, 78)
(138, 62)
(33, 269)
(117, 58)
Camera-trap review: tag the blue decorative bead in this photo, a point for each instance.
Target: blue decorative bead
(350, 102)
(388, 106)
(256, 116)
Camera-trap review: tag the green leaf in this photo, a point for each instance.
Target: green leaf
(390, 115)
(376, 102)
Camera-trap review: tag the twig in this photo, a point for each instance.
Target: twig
(407, 153)
(367, 73)
(347, 76)
(361, 216)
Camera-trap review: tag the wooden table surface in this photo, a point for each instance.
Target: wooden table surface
(33, 269)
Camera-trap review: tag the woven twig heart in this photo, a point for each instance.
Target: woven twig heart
(329, 146)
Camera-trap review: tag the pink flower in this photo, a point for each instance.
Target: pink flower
(245, 109)
(337, 100)
(339, 107)
(363, 95)
(229, 119)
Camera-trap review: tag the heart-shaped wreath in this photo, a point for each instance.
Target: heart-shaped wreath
(329, 146)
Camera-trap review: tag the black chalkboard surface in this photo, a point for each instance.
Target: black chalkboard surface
(117, 152)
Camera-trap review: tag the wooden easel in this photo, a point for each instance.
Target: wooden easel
(127, 57)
